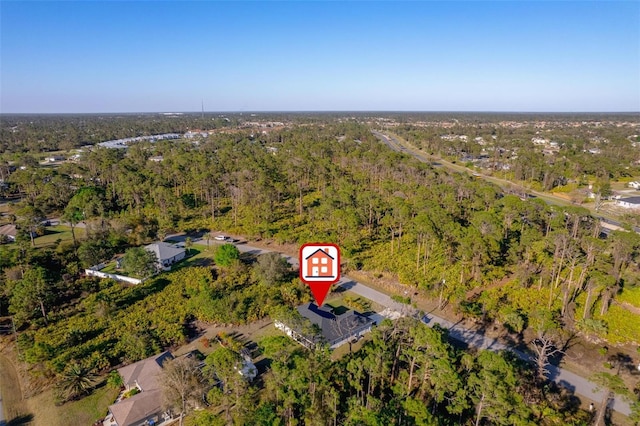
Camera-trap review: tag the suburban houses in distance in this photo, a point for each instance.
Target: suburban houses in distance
(335, 330)
(8, 232)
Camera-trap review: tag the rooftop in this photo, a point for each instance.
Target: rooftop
(8, 230)
(164, 250)
(143, 373)
(132, 410)
(334, 327)
(631, 200)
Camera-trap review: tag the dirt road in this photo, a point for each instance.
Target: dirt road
(11, 393)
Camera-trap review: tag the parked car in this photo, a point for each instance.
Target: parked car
(220, 238)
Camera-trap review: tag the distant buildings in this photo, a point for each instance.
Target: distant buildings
(9, 232)
(124, 143)
(192, 134)
(537, 140)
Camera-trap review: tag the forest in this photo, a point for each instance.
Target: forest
(490, 257)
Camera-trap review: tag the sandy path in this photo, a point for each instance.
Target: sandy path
(14, 405)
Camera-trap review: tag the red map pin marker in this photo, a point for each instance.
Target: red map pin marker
(319, 267)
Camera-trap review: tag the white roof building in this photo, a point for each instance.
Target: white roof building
(629, 202)
(167, 254)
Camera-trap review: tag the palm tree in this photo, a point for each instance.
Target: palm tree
(76, 380)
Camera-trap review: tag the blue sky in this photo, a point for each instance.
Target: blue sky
(319, 56)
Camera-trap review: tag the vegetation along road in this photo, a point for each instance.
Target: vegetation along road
(563, 377)
(395, 144)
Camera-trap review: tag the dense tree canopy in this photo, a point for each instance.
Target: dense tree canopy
(140, 262)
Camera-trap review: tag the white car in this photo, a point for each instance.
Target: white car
(220, 238)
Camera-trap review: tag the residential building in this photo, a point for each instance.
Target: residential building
(335, 330)
(167, 254)
(145, 407)
(629, 203)
(9, 231)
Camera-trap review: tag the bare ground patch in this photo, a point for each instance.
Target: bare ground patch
(15, 406)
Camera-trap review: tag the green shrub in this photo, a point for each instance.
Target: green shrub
(401, 299)
(130, 393)
(630, 295)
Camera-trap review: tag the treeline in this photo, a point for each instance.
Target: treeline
(452, 237)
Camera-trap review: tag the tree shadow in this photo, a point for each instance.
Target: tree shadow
(141, 291)
(570, 342)
(338, 310)
(622, 361)
(347, 285)
(22, 419)
(202, 261)
(193, 332)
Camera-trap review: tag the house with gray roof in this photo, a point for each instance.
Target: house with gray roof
(9, 231)
(145, 407)
(629, 202)
(167, 254)
(335, 330)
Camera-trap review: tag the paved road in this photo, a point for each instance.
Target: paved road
(608, 224)
(567, 379)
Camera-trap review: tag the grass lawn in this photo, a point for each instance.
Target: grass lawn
(82, 412)
(58, 232)
(198, 255)
(110, 268)
(336, 300)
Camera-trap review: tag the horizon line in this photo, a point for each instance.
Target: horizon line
(166, 112)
